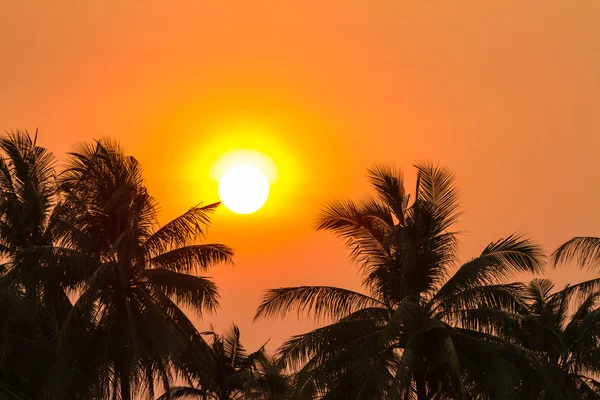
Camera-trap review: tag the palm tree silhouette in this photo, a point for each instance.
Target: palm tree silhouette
(227, 371)
(132, 277)
(423, 327)
(31, 286)
(563, 328)
(270, 380)
(411, 333)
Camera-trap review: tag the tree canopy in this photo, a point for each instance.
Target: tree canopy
(97, 299)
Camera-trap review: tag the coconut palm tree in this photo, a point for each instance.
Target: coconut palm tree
(230, 370)
(270, 380)
(126, 328)
(28, 215)
(564, 328)
(27, 219)
(417, 331)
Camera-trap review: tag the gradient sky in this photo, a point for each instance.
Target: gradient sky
(505, 93)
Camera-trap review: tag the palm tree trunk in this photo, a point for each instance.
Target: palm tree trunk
(125, 385)
(421, 388)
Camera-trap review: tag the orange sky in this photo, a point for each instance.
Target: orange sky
(505, 93)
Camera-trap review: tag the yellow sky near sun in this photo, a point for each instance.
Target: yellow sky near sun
(505, 93)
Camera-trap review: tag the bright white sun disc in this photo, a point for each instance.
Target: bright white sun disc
(243, 189)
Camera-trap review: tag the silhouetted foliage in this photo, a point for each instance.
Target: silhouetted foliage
(93, 293)
(234, 373)
(93, 233)
(419, 330)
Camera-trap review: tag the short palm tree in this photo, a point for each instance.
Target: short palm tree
(227, 373)
(564, 328)
(585, 251)
(126, 328)
(270, 380)
(418, 331)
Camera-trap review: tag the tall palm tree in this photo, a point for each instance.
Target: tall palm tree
(418, 331)
(28, 215)
(126, 328)
(27, 219)
(230, 372)
(567, 340)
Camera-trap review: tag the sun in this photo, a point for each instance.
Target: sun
(243, 189)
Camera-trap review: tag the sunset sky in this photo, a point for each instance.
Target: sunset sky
(505, 93)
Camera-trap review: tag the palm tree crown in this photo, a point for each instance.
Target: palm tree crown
(132, 276)
(563, 328)
(232, 373)
(412, 334)
(94, 295)
(34, 303)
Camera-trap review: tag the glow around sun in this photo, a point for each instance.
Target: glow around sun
(243, 189)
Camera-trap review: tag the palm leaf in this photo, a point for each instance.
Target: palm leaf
(509, 297)
(323, 342)
(437, 188)
(181, 230)
(320, 301)
(389, 185)
(193, 291)
(500, 259)
(193, 258)
(406, 314)
(584, 250)
(233, 347)
(365, 236)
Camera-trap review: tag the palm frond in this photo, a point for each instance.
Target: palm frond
(71, 267)
(406, 314)
(378, 211)
(364, 235)
(500, 259)
(197, 292)
(389, 185)
(320, 301)
(588, 388)
(583, 250)
(584, 309)
(31, 163)
(193, 258)
(437, 188)
(539, 290)
(488, 320)
(337, 342)
(180, 231)
(232, 345)
(578, 291)
(505, 296)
